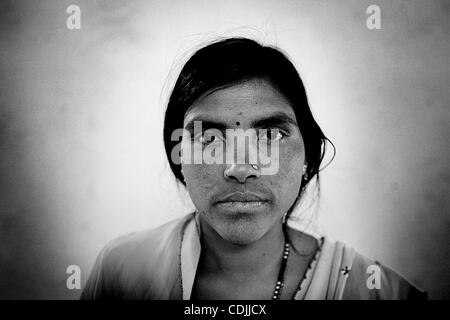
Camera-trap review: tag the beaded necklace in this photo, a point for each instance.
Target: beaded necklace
(280, 282)
(281, 275)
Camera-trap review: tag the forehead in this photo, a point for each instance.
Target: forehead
(242, 102)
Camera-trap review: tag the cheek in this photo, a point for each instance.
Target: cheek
(293, 158)
(200, 180)
(289, 176)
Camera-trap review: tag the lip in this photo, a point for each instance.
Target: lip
(243, 198)
(243, 206)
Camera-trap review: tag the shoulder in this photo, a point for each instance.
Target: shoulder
(144, 242)
(344, 273)
(138, 265)
(368, 279)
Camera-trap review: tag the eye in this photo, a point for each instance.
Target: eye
(209, 136)
(271, 135)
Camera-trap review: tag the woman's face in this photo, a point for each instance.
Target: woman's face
(238, 202)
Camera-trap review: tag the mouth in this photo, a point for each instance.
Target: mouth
(242, 205)
(242, 201)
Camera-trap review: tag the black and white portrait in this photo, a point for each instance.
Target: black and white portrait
(224, 150)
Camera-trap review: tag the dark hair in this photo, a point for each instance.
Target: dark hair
(236, 60)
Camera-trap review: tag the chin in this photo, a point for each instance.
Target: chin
(241, 232)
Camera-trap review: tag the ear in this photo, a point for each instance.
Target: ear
(305, 167)
(304, 173)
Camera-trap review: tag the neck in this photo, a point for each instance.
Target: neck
(242, 260)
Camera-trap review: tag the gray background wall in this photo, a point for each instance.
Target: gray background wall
(81, 154)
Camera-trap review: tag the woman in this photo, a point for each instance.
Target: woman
(237, 244)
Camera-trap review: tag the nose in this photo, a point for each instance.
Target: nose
(241, 172)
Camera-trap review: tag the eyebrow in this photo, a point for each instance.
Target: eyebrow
(206, 124)
(273, 120)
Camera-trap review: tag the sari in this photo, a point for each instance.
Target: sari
(161, 263)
